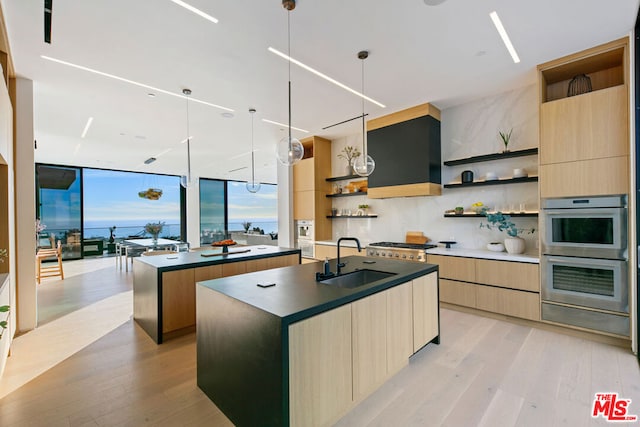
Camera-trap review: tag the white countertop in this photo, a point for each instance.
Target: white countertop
(486, 254)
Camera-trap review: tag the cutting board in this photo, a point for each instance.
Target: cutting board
(211, 253)
(416, 237)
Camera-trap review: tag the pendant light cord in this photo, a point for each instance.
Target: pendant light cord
(289, 54)
(188, 142)
(253, 165)
(364, 149)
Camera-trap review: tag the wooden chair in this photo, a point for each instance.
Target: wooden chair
(51, 269)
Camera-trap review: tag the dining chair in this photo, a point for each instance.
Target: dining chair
(49, 269)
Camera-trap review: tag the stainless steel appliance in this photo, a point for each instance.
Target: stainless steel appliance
(305, 238)
(584, 269)
(401, 251)
(586, 226)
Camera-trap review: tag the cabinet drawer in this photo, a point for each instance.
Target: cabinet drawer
(455, 268)
(515, 275)
(458, 293)
(506, 301)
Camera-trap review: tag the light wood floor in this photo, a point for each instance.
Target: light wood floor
(486, 372)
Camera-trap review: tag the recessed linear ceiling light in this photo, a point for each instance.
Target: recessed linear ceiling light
(196, 11)
(324, 76)
(281, 124)
(505, 37)
(122, 79)
(150, 160)
(86, 127)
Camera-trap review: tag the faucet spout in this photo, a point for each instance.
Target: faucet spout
(353, 239)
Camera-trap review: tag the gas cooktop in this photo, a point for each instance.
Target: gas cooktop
(397, 245)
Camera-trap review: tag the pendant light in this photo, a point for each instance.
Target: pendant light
(289, 150)
(252, 186)
(364, 164)
(185, 180)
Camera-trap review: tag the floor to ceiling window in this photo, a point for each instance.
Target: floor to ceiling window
(83, 207)
(227, 207)
(128, 201)
(59, 208)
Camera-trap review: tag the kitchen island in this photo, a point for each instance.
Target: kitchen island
(300, 352)
(164, 285)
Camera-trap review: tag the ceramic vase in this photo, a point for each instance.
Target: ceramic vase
(495, 246)
(514, 245)
(348, 170)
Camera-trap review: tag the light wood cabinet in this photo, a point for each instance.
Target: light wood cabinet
(310, 185)
(339, 357)
(320, 368)
(400, 326)
(503, 287)
(369, 323)
(584, 139)
(425, 318)
(515, 275)
(331, 252)
(455, 268)
(179, 300)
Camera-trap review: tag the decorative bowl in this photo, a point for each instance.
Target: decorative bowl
(495, 247)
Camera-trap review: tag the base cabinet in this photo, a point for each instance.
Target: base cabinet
(502, 287)
(339, 357)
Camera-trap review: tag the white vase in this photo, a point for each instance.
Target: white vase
(514, 245)
(348, 170)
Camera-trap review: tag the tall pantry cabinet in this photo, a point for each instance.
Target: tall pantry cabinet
(584, 139)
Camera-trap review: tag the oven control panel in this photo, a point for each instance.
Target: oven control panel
(403, 255)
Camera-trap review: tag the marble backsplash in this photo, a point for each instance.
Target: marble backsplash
(467, 130)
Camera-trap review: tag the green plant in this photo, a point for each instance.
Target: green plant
(363, 206)
(154, 228)
(246, 225)
(4, 323)
(502, 222)
(506, 137)
(3, 255)
(349, 153)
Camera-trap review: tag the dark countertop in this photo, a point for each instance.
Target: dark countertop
(297, 295)
(183, 260)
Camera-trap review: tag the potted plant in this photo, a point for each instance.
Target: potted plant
(364, 208)
(506, 137)
(349, 153)
(513, 243)
(459, 210)
(246, 225)
(111, 246)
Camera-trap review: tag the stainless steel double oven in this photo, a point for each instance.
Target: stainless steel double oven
(584, 264)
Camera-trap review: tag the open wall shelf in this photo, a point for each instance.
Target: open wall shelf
(495, 182)
(358, 193)
(495, 156)
(475, 215)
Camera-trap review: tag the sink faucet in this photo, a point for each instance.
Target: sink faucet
(340, 264)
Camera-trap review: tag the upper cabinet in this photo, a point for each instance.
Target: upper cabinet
(583, 131)
(310, 186)
(406, 148)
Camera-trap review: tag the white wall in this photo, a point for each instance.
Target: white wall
(25, 206)
(467, 130)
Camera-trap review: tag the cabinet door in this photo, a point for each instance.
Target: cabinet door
(590, 126)
(515, 275)
(320, 372)
(399, 327)
(506, 301)
(425, 310)
(233, 268)
(369, 323)
(455, 268)
(282, 261)
(178, 300)
(304, 204)
(207, 273)
(585, 178)
(458, 293)
(304, 175)
(325, 251)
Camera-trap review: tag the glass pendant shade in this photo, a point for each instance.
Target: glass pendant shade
(289, 151)
(364, 166)
(253, 187)
(185, 180)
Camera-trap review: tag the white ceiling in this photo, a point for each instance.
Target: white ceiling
(445, 54)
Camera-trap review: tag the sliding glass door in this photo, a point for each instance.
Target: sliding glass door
(59, 208)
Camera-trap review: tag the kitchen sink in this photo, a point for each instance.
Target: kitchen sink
(357, 278)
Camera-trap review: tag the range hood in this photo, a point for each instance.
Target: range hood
(406, 148)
